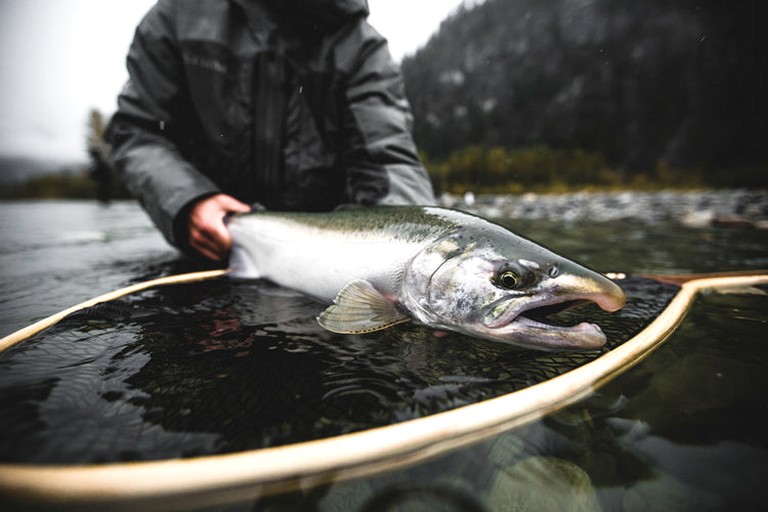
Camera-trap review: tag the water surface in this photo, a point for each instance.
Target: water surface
(125, 381)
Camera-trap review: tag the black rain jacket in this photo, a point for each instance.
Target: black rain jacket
(295, 104)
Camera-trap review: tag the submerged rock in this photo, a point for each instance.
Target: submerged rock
(543, 484)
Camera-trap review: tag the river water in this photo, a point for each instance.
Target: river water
(684, 430)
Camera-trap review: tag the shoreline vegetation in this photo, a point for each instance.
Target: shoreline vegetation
(544, 170)
(63, 185)
(476, 169)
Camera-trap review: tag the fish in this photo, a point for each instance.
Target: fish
(377, 267)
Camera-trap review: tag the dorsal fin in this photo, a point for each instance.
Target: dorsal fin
(359, 308)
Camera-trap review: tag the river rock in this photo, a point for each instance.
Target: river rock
(543, 484)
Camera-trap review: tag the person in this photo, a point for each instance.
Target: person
(290, 104)
(98, 152)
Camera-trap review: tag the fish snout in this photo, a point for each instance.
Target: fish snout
(598, 289)
(608, 295)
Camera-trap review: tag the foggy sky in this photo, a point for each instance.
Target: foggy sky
(60, 58)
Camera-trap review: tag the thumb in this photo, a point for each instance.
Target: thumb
(231, 204)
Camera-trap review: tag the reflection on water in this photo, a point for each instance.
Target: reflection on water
(221, 366)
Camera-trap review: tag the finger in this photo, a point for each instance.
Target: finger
(206, 251)
(205, 245)
(212, 239)
(221, 237)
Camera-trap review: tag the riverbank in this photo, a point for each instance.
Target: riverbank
(734, 207)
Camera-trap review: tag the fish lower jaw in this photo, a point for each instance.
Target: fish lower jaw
(581, 327)
(527, 333)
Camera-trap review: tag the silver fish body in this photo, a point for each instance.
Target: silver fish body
(443, 268)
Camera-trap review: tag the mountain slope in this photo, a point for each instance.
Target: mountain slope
(638, 82)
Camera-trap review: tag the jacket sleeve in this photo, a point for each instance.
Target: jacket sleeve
(149, 163)
(379, 152)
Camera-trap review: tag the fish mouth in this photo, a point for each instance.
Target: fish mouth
(542, 312)
(589, 335)
(532, 326)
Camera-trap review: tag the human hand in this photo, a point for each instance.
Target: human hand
(206, 229)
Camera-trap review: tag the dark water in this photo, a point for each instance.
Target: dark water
(221, 366)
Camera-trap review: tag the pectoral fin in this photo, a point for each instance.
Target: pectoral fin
(359, 308)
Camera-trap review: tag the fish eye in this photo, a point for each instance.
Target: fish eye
(508, 279)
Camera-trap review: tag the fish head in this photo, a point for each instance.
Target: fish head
(495, 285)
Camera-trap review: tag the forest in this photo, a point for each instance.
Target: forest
(521, 94)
